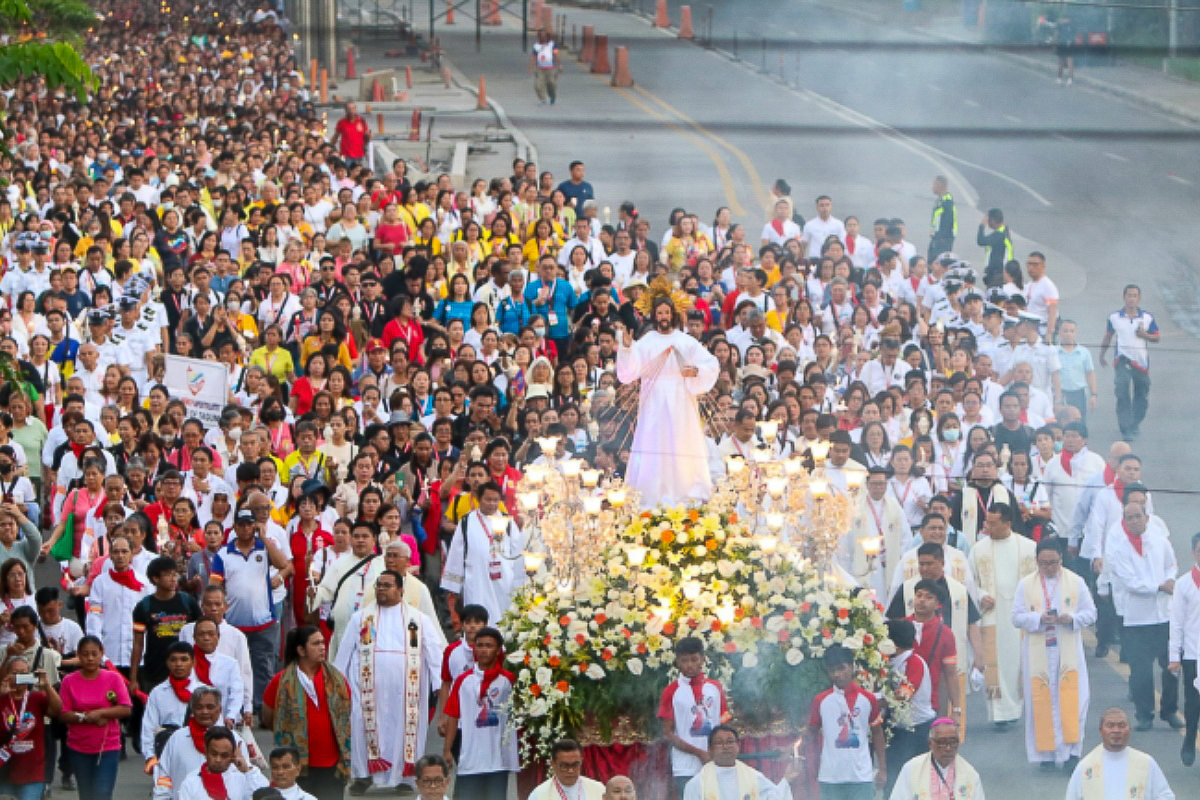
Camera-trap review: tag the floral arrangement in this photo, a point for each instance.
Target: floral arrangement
(597, 656)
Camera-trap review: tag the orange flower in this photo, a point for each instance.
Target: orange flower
(668, 537)
(535, 690)
(715, 625)
(646, 515)
(553, 662)
(756, 622)
(669, 628)
(527, 659)
(628, 634)
(547, 639)
(564, 620)
(733, 518)
(607, 654)
(739, 612)
(843, 613)
(789, 615)
(711, 544)
(580, 639)
(601, 618)
(694, 515)
(641, 648)
(693, 623)
(561, 686)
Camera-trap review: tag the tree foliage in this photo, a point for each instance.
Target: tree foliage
(44, 41)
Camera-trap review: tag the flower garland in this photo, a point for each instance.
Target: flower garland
(599, 657)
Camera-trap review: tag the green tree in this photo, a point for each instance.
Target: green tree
(46, 37)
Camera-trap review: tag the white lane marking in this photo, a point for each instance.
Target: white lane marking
(969, 102)
(1011, 118)
(1178, 179)
(935, 88)
(1062, 137)
(1115, 157)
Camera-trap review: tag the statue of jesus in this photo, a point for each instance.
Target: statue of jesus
(668, 463)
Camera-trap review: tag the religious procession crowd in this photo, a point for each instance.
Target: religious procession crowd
(323, 560)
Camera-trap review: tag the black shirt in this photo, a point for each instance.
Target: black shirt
(161, 621)
(897, 610)
(1018, 441)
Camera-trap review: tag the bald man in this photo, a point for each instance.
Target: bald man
(619, 788)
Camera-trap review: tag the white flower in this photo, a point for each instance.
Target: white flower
(853, 642)
(516, 656)
(726, 568)
(634, 665)
(794, 656)
(887, 647)
(536, 615)
(543, 675)
(539, 707)
(595, 672)
(750, 660)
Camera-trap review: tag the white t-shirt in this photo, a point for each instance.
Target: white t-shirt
(489, 743)
(693, 721)
(1039, 296)
(790, 230)
(817, 230)
(544, 53)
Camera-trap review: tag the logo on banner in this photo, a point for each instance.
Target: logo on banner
(195, 381)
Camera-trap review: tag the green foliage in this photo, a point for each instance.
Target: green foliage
(46, 44)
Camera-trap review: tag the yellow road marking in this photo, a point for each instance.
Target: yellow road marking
(758, 186)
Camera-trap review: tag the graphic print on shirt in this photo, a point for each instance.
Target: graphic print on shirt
(488, 718)
(702, 717)
(847, 738)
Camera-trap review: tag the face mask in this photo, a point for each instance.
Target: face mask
(951, 434)
(6, 469)
(235, 433)
(1058, 447)
(232, 306)
(168, 206)
(539, 332)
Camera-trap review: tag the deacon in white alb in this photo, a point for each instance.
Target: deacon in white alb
(726, 778)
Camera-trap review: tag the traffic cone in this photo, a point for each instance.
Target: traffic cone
(377, 92)
(446, 76)
(482, 103)
(379, 122)
(351, 72)
(548, 19)
(414, 127)
(622, 77)
(600, 65)
(493, 13)
(661, 18)
(450, 12)
(408, 77)
(588, 51)
(685, 23)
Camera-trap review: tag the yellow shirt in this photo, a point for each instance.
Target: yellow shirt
(312, 344)
(312, 467)
(534, 250)
(278, 363)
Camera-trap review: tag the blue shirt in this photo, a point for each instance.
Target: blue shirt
(579, 192)
(1076, 364)
(454, 309)
(558, 310)
(247, 579)
(512, 315)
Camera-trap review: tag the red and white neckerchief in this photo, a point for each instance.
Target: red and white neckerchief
(907, 488)
(875, 516)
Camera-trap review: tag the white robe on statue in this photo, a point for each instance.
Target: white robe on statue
(1078, 603)
(999, 566)
(669, 459)
(390, 670)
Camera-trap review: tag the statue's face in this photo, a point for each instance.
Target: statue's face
(664, 317)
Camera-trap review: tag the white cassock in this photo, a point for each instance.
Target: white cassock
(583, 789)
(734, 783)
(238, 785)
(483, 569)
(393, 716)
(669, 459)
(1126, 773)
(883, 519)
(351, 592)
(1046, 660)
(917, 777)
(999, 566)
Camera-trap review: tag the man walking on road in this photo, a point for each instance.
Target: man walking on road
(352, 136)
(1133, 328)
(545, 67)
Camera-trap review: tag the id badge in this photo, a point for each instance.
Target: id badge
(494, 569)
(552, 319)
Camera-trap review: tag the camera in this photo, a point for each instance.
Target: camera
(26, 679)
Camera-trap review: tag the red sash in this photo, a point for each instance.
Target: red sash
(203, 668)
(214, 784)
(126, 578)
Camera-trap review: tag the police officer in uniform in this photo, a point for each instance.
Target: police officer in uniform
(943, 227)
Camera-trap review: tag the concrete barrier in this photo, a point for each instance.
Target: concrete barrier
(600, 64)
(588, 51)
(622, 77)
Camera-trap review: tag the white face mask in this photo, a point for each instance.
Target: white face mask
(539, 332)
(235, 434)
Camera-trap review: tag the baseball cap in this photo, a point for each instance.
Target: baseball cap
(375, 344)
(245, 515)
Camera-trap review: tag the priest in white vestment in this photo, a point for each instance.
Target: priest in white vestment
(567, 781)
(1052, 607)
(668, 463)
(941, 772)
(726, 778)
(391, 654)
(347, 582)
(999, 561)
(484, 565)
(1116, 770)
(880, 520)
(934, 528)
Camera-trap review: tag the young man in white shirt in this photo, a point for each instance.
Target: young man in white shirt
(780, 228)
(822, 226)
(479, 706)
(1134, 329)
(1041, 295)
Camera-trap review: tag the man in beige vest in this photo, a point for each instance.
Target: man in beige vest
(1116, 770)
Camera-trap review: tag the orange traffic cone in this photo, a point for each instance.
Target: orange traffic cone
(482, 102)
(449, 12)
(685, 23)
(661, 18)
(408, 77)
(588, 51)
(622, 77)
(351, 72)
(600, 65)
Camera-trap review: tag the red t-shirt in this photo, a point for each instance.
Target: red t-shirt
(27, 764)
(936, 646)
(354, 137)
(322, 743)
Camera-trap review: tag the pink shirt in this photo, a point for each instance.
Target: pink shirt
(82, 695)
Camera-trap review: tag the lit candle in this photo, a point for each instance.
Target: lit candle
(572, 467)
(793, 466)
(775, 520)
(533, 562)
(872, 546)
(819, 487)
(768, 544)
(593, 504)
(819, 451)
(636, 554)
(725, 614)
(590, 477)
(528, 501)
(734, 464)
(769, 429)
(617, 497)
(777, 485)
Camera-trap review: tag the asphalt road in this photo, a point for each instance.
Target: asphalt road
(869, 115)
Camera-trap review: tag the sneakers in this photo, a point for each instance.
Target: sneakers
(1174, 720)
(1144, 725)
(68, 783)
(1188, 753)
